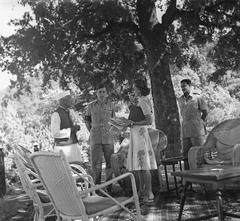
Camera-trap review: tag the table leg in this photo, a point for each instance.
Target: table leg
(180, 164)
(183, 197)
(219, 205)
(180, 167)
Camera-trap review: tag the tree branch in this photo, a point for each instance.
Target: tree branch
(129, 25)
(170, 14)
(110, 27)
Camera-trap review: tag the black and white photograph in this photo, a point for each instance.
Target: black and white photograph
(114, 110)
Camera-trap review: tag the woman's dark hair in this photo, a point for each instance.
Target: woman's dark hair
(187, 81)
(141, 84)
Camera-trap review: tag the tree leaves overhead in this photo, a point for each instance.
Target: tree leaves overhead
(66, 41)
(91, 41)
(210, 21)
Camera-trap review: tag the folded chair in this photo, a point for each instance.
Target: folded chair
(55, 174)
(41, 202)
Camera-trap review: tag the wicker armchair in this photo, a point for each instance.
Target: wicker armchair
(221, 147)
(68, 201)
(43, 208)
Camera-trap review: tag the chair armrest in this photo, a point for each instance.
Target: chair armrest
(196, 156)
(76, 168)
(101, 186)
(236, 155)
(82, 180)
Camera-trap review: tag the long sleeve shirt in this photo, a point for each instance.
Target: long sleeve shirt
(55, 127)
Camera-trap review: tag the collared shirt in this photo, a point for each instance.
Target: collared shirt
(100, 114)
(190, 111)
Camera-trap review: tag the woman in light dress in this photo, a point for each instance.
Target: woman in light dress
(141, 156)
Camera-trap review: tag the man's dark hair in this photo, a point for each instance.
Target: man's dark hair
(187, 81)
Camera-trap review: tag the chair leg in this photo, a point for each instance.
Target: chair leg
(160, 178)
(183, 197)
(219, 205)
(35, 216)
(175, 180)
(180, 165)
(166, 176)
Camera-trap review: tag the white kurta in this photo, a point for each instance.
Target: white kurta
(71, 151)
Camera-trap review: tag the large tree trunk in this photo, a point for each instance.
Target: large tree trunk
(2, 175)
(153, 37)
(165, 106)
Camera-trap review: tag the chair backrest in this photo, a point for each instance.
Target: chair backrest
(55, 174)
(24, 154)
(27, 184)
(159, 142)
(223, 137)
(158, 138)
(226, 132)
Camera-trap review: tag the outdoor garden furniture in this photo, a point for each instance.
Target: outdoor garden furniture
(216, 176)
(43, 207)
(24, 155)
(172, 161)
(55, 174)
(34, 188)
(221, 147)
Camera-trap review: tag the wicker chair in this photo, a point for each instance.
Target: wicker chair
(41, 202)
(24, 154)
(221, 147)
(55, 174)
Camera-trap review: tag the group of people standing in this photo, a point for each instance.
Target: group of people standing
(141, 156)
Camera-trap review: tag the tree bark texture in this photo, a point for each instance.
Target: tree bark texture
(2, 175)
(165, 106)
(153, 35)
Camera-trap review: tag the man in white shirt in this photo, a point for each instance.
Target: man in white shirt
(63, 130)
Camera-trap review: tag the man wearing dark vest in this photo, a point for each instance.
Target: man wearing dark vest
(63, 129)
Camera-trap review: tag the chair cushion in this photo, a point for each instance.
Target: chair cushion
(95, 204)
